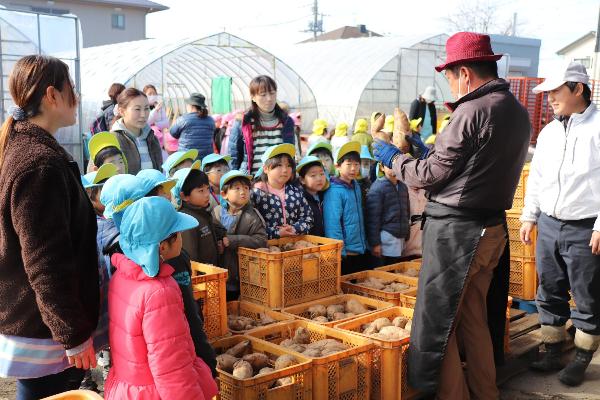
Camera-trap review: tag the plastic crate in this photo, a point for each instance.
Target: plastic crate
(300, 311)
(408, 299)
(209, 287)
(251, 310)
(390, 357)
(523, 280)
(259, 388)
(519, 198)
(401, 268)
(349, 285)
(278, 280)
(75, 395)
(518, 248)
(342, 375)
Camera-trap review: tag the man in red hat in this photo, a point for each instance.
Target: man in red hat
(470, 177)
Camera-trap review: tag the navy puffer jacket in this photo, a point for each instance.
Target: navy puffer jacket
(387, 210)
(194, 132)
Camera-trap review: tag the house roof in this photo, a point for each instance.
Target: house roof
(145, 4)
(345, 32)
(587, 36)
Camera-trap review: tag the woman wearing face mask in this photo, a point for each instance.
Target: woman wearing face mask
(138, 142)
(263, 126)
(157, 119)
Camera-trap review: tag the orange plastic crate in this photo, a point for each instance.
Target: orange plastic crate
(390, 357)
(261, 387)
(518, 248)
(349, 285)
(519, 197)
(278, 280)
(342, 375)
(401, 268)
(209, 287)
(523, 279)
(300, 311)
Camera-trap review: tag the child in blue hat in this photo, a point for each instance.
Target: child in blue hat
(277, 198)
(158, 183)
(245, 226)
(191, 195)
(215, 166)
(313, 178)
(149, 334)
(179, 160)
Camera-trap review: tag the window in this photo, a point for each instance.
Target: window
(118, 21)
(586, 62)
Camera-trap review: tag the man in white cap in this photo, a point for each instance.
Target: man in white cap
(563, 198)
(424, 107)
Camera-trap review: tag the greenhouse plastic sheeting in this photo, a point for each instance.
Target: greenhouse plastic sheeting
(353, 77)
(180, 67)
(24, 33)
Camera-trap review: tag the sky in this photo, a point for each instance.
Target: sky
(275, 23)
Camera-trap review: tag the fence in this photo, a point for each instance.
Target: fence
(540, 112)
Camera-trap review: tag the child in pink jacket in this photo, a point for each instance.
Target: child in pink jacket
(152, 350)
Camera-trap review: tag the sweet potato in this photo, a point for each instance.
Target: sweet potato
(266, 319)
(400, 322)
(284, 381)
(265, 370)
(242, 370)
(285, 361)
(392, 333)
(320, 319)
(355, 307)
(380, 323)
(338, 316)
(287, 343)
(239, 349)
(411, 272)
(301, 336)
(274, 249)
(334, 308)
(257, 360)
(226, 361)
(408, 325)
(297, 347)
(312, 353)
(318, 310)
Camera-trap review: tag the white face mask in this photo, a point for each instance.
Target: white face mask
(459, 95)
(364, 171)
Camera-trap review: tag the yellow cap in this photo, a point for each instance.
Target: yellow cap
(388, 126)
(414, 123)
(95, 178)
(102, 140)
(431, 139)
(361, 126)
(341, 129)
(444, 123)
(319, 126)
(285, 148)
(346, 148)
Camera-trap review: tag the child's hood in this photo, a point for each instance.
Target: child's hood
(132, 271)
(338, 183)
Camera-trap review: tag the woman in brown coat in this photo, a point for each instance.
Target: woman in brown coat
(48, 262)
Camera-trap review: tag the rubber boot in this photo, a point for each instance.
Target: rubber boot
(550, 361)
(573, 374)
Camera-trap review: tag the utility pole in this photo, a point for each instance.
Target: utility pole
(316, 25)
(514, 25)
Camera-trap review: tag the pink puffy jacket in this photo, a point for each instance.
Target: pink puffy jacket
(151, 347)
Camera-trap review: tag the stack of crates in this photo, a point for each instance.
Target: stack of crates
(523, 277)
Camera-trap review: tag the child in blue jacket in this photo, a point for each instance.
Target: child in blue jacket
(343, 212)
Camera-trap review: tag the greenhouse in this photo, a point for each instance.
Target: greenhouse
(23, 33)
(180, 67)
(350, 78)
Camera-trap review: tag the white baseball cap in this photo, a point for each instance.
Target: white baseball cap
(429, 94)
(574, 72)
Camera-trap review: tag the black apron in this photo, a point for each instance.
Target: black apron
(450, 239)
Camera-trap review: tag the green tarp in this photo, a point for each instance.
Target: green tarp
(221, 95)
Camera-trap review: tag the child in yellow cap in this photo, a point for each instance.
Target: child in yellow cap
(280, 202)
(340, 136)
(361, 134)
(319, 131)
(104, 148)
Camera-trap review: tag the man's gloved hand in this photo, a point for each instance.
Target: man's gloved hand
(416, 140)
(385, 152)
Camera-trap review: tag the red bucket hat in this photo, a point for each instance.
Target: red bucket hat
(468, 47)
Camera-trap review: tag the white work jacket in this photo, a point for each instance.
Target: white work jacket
(564, 176)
